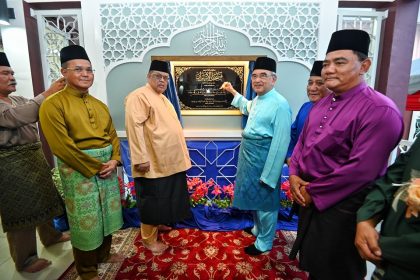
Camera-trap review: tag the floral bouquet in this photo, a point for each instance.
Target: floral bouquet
(413, 199)
(286, 199)
(128, 193)
(209, 193)
(409, 193)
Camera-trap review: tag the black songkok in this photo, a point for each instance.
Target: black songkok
(159, 65)
(3, 60)
(350, 39)
(265, 63)
(73, 52)
(316, 68)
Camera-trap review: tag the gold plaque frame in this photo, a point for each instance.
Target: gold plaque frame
(230, 64)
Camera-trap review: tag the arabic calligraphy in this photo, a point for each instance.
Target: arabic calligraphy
(209, 75)
(210, 41)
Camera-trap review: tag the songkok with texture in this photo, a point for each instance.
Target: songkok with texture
(159, 65)
(3, 60)
(73, 52)
(316, 68)
(350, 39)
(265, 63)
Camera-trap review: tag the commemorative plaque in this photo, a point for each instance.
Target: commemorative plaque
(198, 87)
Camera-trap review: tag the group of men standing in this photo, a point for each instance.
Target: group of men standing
(340, 146)
(81, 134)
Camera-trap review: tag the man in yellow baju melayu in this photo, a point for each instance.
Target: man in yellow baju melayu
(79, 130)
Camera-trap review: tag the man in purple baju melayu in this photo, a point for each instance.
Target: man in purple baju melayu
(344, 146)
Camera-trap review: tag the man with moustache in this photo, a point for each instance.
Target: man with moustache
(159, 156)
(28, 198)
(344, 146)
(80, 132)
(263, 149)
(315, 90)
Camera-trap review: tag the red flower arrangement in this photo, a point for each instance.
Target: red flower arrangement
(209, 193)
(127, 193)
(286, 198)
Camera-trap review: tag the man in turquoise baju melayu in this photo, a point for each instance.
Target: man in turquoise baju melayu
(265, 140)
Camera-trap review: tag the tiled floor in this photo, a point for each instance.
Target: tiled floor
(60, 254)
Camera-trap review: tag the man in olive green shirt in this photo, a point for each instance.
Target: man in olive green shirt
(79, 130)
(396, 248)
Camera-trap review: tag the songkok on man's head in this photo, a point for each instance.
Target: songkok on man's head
(350, 39)
(265, 63)
(316, 68)
(159, 65)
(73, 52)
(3, 60)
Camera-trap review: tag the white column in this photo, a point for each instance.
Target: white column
(93, 44)
(15, 45)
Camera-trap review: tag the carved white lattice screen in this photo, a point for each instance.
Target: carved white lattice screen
(57, 29)
(289, 30)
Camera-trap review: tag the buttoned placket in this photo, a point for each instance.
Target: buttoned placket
(327, 115)
(90, 111)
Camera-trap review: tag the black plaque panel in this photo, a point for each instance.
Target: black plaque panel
(198, 86)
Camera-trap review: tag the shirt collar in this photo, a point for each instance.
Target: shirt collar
(351, 92)
(267, 94)
(75, 92)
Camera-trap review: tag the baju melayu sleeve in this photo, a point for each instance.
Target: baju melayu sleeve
(244, 105)
(278, 148)
(346, 143)
(400, 237)
(73, 122)
(137, 111)
(17, 121)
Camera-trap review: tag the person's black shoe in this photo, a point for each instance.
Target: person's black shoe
(252, 250)
(248, 230)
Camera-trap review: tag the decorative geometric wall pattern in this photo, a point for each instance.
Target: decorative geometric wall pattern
(215, 160)
(130, 30)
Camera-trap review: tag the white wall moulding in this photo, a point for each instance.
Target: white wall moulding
(290, 29)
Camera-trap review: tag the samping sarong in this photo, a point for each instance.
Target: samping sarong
(249, 193)
(326, 240)
(163, 200)
(93, 204)
(28, 196)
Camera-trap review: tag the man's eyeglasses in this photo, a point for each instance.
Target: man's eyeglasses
(79, 70)
(262, 76)
(159, 77)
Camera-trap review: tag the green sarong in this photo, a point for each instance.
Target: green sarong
(93, 204)
(28, 196)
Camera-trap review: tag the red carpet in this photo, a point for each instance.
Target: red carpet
(196, 254)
